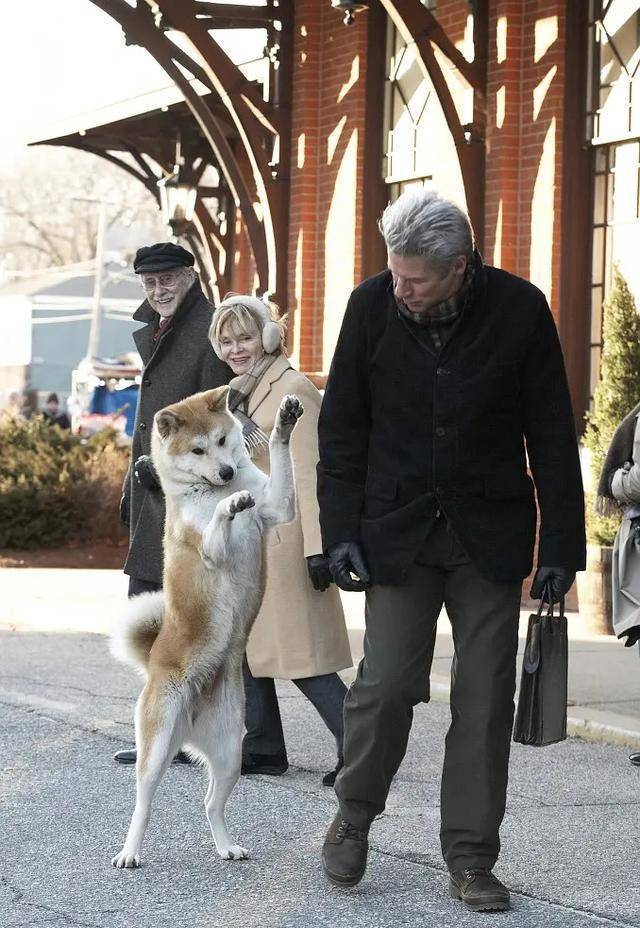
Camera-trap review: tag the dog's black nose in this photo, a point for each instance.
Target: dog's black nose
(226, 472)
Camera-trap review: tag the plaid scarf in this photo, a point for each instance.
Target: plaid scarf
(241, 388)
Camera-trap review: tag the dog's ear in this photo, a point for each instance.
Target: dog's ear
(167, 421)
(216, 400)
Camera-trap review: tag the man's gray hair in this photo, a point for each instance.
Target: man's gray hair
(422, 223)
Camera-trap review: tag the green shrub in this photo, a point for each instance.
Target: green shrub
(616, 394)
(56, 489)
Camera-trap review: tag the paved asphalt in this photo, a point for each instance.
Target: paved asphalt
(570, 837)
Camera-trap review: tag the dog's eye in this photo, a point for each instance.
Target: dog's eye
(197, 450)
(222, 440)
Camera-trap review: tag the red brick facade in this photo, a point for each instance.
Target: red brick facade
(524, 155)
(326, 175)
(524, 140)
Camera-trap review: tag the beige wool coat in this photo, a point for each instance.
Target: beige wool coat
(299, 632)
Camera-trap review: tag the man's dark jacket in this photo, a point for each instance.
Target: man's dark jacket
(405, 431)
(180, 363)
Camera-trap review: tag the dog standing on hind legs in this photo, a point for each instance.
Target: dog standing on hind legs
(189, 639)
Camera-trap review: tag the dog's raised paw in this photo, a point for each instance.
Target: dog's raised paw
(126, 861)
(240, 501)
(289, 412)
(233, 852)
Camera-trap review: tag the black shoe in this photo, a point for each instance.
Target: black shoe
(344, 853)
(273, 765)
(130, 757)
(479, 889)
(635, 758)
(329, 779)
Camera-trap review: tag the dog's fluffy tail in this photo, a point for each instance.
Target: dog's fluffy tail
(134, 635)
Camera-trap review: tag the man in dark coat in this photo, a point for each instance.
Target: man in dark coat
(446, 385)
(178, 361)
(53, 414)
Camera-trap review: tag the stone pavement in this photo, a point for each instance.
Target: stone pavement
(570, 836)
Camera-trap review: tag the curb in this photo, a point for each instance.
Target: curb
(582, 722)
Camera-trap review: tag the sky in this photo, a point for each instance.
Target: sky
(59, 58)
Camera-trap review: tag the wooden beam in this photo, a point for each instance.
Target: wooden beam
(574, 316)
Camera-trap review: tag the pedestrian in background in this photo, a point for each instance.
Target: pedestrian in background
(178, 361)
(53, 414)
(299, 633)
(13, 409)
(619, 485)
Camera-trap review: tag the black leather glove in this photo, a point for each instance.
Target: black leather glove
(125, 510)
(346, 559)
(319, 573)
(633, 636)
(558, 580)
(146, 474)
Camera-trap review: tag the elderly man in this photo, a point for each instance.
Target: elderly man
(447, 376)
(178, 361)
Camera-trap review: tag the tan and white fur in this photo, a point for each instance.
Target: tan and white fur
(189, 639)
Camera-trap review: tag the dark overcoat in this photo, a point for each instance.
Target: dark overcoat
(405, 430)
(179, 363)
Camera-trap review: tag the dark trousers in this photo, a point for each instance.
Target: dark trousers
(263, 722)
(393, 677)
(136, 586)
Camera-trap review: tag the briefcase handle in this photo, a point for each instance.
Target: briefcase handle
(531, 657)
(550, 605)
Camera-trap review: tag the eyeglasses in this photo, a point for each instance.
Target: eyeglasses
(149, 284)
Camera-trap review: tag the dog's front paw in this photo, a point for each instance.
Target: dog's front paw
(238, 502)
(126, 860)
(288, 414)
(233, 852)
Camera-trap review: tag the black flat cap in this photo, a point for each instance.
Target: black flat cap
(161, 257)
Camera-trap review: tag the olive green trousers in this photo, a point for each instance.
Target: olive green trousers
(393, 677)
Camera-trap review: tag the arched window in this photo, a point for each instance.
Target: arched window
(613, 128)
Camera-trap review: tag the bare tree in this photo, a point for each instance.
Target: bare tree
(44, 217)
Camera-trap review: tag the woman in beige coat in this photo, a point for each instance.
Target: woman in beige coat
(300, 632)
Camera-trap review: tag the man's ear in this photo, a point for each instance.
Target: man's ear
(166, 422)
(216, 400)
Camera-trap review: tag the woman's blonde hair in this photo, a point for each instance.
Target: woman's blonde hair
(242, 321)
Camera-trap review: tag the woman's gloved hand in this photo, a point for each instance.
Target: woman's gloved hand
(632, 635)
(146, 474)
(319, 573)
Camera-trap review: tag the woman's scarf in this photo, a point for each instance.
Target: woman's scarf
(620, 451)
(240, 390)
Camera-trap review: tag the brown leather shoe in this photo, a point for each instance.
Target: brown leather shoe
(344, 853)
(479, 889)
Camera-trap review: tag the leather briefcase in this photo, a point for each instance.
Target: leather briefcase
(541, 714)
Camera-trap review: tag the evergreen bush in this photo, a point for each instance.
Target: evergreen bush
(616, 394)
(56, 489)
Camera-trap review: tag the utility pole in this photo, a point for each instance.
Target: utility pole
(96, 312)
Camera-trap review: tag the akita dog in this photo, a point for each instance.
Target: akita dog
(189, 639)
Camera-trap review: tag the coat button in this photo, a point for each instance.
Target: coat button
(440, 431)
(142, 426)
(442, 372)
(146, 382)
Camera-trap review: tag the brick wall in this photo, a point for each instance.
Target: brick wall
(524, 156)
(524, 140)
(326, 175)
